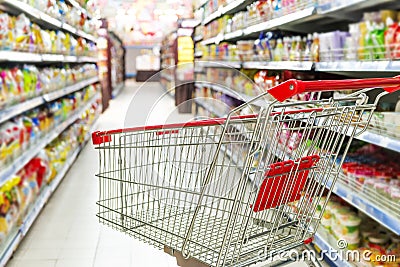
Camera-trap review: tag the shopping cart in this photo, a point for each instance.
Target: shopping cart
(233, 191)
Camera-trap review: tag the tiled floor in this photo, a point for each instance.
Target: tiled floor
(67, 233)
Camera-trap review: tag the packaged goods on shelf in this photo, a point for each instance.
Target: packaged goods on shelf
(340, 222)
(19, 34)
(376, 37)
(19, 193)
(65, 13)
(27, 129)
(372, 171)
(20, 84)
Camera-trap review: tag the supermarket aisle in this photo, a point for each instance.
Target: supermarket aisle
(67, 232)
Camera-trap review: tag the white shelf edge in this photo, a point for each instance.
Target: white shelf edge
(280, 21)
(7, 172)
(219, 64)
(233, 35)
(117, 90)
(211, 17)
(9, 112)
(17, 56)
(356, 200)
(208, 107)
(359, 66)
(69, 89)
(167, 77)
(279, 65)
(225, 90)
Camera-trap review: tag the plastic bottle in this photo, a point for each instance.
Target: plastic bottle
(286, 48)
(279, 51)
(307, 48)
(315, 48)
(292, 53)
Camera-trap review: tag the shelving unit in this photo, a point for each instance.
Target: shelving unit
(309, 20)
(16, 7)
(7, 172)
(16, 56)
(18, 234)
(17, 109)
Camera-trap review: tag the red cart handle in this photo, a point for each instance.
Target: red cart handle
(293, 87)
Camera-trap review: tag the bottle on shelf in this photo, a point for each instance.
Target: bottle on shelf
(293, 47)
(286, 48)
(279, 51)
(307, 48)
(315, 48)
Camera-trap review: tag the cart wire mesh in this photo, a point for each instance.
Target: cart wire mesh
(229, 191)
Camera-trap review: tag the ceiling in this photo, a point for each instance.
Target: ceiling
(143, 21)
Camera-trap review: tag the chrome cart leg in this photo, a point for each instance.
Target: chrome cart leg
(181, 261)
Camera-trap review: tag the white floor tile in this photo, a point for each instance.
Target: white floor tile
(47, 243)
(74, 263)
(32, 263)
(77, 253)
(42, 254)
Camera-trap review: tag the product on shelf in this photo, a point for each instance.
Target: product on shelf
(374, 173)
(342, 222)
(18, 194)
(25, 130)
(19, 34)
(20, 84)
(69, 14)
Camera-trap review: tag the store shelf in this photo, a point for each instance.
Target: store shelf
(209, 107)
(280, 21)
(198, 54)
(209, 41)
(364, 205)
(335, 258)
(219, 64)
(78, 6)
(198, 38)
(216, 14)
(167, 77)
(52, 58)
(225, 90)
(358, 66)
(169, 92)
(69, 89)
(9, 112)
(46, 193)
(279, 65)
(233, 35)
(231, 8)
(17, 56)
(87, 60)
(41, 18)
(7, 172)
(117, 89)
(378, 139)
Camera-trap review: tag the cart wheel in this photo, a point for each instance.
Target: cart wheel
(182, 261)
(185, 255)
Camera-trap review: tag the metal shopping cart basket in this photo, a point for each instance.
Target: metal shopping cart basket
(232, 191)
